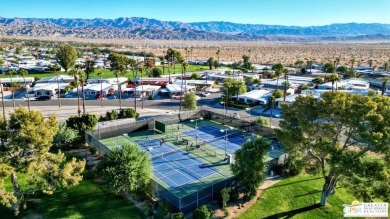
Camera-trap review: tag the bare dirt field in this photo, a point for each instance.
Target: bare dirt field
(260, 51)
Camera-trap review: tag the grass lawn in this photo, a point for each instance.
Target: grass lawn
(87, 200)
(299, 197)
(110, 74)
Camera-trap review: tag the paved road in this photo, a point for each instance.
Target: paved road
(150, 107)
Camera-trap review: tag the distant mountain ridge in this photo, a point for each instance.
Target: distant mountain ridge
(144, 28)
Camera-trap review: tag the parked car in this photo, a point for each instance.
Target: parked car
(43, 98)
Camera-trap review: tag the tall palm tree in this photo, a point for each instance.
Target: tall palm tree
(352, 61)
(75, 73)
(191, 50)
(370, 62)
(386, 66)
(185, 66)
(278, 73)
(2, 99)
(11, 72)
(89, 67)
(82, 78)
(59, 91)
(299, 64)
(286, 85)
(100, 74)
(23, 72)
(217, 53)
(384, 82)
(337, 61)
(332, 78)
(310, 63)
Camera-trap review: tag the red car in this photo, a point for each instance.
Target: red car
(99, 96)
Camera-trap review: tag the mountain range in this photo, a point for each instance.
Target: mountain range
(144, 28)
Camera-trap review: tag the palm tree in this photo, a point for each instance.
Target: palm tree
(75, 73)
(185, 66)
(23, 72)
(210, 61)
(386, 66)
(217, 53)
(384, 82)
(332, 78)
(370, 62)
(82, 78)
(310, 63)
(100, 74)
(279, 69)
(299, 64)
(352, 61)
(2, 99)
(59, 91)
(89, 63)
(286, 85)
(337, 61)
(10, 72)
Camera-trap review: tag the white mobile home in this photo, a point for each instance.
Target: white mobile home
(254, 97)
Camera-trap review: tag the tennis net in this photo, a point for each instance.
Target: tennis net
(211, 140)
(166, 154)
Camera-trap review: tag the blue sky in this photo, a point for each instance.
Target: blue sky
(283, 12)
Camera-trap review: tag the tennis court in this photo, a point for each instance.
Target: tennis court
(208, 134)
(173, 166)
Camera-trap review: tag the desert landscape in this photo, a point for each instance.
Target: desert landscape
(260, 51)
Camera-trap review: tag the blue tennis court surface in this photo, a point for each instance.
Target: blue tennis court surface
(213, 136)
(175, 167)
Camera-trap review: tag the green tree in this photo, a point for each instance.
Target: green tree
(189, 102)
(28, 152)
(195, 75)
(384, 82)
(352, 61)
(286, 85)
(298, 64)
(89, 67)
(66, 57)
(334, 135)
(64, 135)
(310, 64)
(126, 169)
(329, 68)
(218, 53)
(18, 50)
(23, 72)
(11, 72)
(82, 123)
(262, 121)
(210, 61)
(249, 80)
(386, 66)
(119, 66)
(177, 215)
(203, 212)
(342, 69)
(225, 196)
(279, 69)
(234, 87)
(332, 78)
(156, 72)
(249, 166)
(370, 61)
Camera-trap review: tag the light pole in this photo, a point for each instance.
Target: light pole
(196, 129)
(225, 130)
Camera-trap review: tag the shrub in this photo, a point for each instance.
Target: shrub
(203, 212)
(234, 195)
(93, 150)
(82, 123)
(113, 115)
(225, 196)
(128, 113)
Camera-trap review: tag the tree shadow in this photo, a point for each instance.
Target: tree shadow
(289, 214)
(295, 182)
(309, 193)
